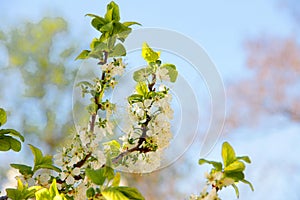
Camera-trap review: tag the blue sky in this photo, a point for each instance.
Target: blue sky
(220, 27)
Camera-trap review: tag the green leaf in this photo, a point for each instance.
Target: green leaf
(142, 74)
(108, 27)
(118, 50)
(142, 88)
(15, 145)
(236, 189)
(22, 191)
(97, 176)
(112, 12)
(131, 23)
(236, 166)
(217, 165)
(236, 176)
(51, 193)
(14, 194)
(23, 169)
(117, 179)
(114, 147)
(134, 98)
(97, 21)
(244, 158)
(3, 117)
(173, 73)
(83, 55)
(122, 193)
(248, 183)
(12, 132)
(228, 154)
(109, 172)
(43, 194)
(92, 108)
(42, 162)
(148, 54)
(4, 143)
(90, 192)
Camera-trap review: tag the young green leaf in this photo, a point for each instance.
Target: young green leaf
(142, 74)
(248, 183)
(51, 193)
(22, 191)
(112, 12)
(90, 192)
(122, 193)
(142, 88)
(4, 143)
(97, 21)
(42, 162)
(3, 116)
(117, 179)
(228, 154)
(217, 165)
(97, 176)
(244, 158)
(113, 147)
(23, 169)
(148, 54)
(131, 23)
(15, 145)
(236, 176)
(134, 98)
(83, 55)
(117, 51)
(12, 132)
(236, 166)
(236, 189)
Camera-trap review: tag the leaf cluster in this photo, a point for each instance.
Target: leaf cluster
(8, 137)
(22, 191)
(232, 169)
(111, 30)
(40, 162)
(108, 182)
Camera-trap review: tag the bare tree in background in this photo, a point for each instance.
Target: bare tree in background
(46, 75)
(273, 84)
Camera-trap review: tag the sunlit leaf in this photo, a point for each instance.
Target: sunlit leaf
(131, 23)
(117, 179)
(236, 166)
(118, 50)
(83, 55)
(244, 158)
(23, 169)
(4, 144)
(112, 12)
(217, 165)
(248, 183)
(142, 74)
(236, 189)
(15, 145)
(142, 88)
(122, 193)
(42, 162)
(12, 132)
(236, 176)
(228, 154)
(96, 176)
(148, 54)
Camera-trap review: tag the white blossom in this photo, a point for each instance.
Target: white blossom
(163, 74)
